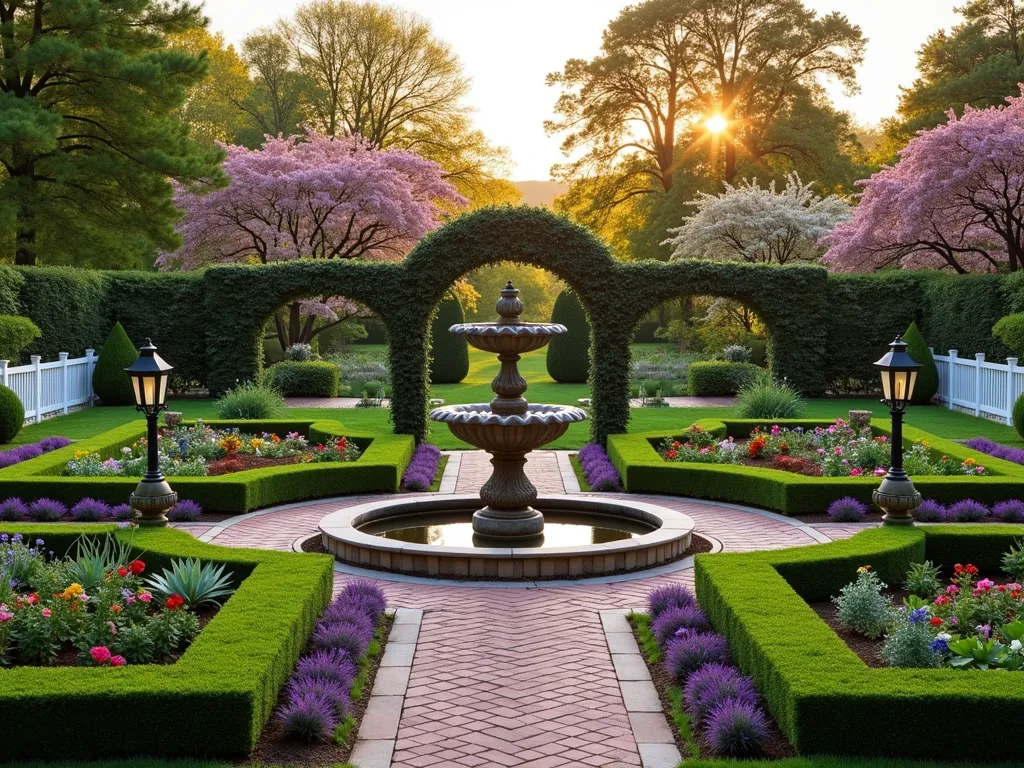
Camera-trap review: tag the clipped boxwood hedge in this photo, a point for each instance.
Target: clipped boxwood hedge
(713, 378)
(214, 701)
(643, 470)
(379, 468)
(824, 698)
(310, 378)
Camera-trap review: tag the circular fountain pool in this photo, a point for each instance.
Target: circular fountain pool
(433, 536)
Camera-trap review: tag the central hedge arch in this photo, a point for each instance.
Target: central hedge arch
(616, 295)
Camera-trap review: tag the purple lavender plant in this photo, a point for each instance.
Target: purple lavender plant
(736, 728)
(1005, 452)
(671, 620)
(328, 665)
(122, 512)
(367, 596)
(1007, 511)
(13, 509)
(847, 510)
(598, 469)
(332, 690)
(966, 511)
(90, 511)
(686, 653)
(46, 510)
(185, 511)
(930, 511)
(30, 451)
(342, 636)
(341, 613)
(670, 596)
(53, 442)
(422, 469)
(309, 717)
(712, 684)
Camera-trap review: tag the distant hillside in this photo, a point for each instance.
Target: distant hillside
(540, 192)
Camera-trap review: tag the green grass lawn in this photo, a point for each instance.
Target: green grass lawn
(484, 366)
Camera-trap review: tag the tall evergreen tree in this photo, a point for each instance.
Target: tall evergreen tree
(89, 134)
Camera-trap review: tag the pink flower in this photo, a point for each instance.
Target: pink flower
(145, 597)
(839, 450)
(100, 654)
(47, 613)
(5, 616)
(879, 471)
(952, 589)
(856, 472)
(775, 429)
(118, 661)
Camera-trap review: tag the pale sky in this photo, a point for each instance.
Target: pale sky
(507, 47)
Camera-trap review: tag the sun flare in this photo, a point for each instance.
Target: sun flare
(716, 124)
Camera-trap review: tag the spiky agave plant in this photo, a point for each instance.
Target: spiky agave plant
(195, 582)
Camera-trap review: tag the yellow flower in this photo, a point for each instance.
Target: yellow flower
(80, 455)
(256, 443)
(72, 592)
(924, 443)
(864, 569)
(970, 462)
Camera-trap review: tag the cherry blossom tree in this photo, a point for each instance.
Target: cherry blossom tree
(758, 224)
(955, 200)
(312, 197)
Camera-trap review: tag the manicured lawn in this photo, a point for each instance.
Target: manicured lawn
(484, 366)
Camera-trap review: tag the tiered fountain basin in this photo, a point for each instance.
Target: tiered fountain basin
(584, 536)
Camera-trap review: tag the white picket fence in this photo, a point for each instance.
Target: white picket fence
(974, 384)
(49, 388)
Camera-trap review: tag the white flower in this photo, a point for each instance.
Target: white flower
(1016, 646)
(944, 636)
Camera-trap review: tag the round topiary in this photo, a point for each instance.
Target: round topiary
(109, 381)
(1010, 331)
(569, 353)
(449, 362)
(12, 414)
(16, 333)
(928, 377)
(1018, 415)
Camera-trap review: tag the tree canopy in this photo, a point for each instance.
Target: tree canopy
(89, 133)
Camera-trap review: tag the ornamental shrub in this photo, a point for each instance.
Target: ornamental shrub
(909, 642)
(847, 510)
(90, 511)
(309, 717)
(12, 414)
(185, 511)
(766, 398)
(736, 728)
(712, 684)
(251, 401)
(1009, 511)
(923, 580)
(1010, 331)
(672, 620)
(312, 378)
(686, 653)
(13, 510)
(966, 511)
(342, 636)
(928, 377)
(332, 690)
(46, 510)
(568, 355)
(736, 353)
(670, 596)
(861, 606)
(366, 595)
(930, 511)
(328, 665)
(299, 353)
(109, 380)
(715, 378)
(1018, 415)
(449, 361)
(16, 333)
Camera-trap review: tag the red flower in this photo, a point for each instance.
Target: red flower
(122, 571)
(174, 601)
(971, 569)
(100, 654)
(936, 621)
(958, 568)
(136, 567)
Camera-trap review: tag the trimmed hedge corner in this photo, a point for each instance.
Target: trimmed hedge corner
(311, 378)
(815, 686)
(713, 378)
(379, 468)
(643, 470)
(219, 694)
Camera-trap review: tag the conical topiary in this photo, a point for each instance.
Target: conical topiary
(569, 353)
(928, 377)
(450, 353)
(109, 381)
(12, 414)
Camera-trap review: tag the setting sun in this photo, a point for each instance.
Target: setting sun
(716, 124)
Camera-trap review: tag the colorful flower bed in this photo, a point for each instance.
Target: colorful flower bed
(422, 470)
(98, 608)
(31, 450)
(598, 469)
(201, 450)
(724, 711)
(14, 510)
(969, 623)
(1005, 452)
(838, 450)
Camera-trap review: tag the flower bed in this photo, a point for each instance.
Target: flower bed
(97, 607)
(1006, 452)
(32, 450)
(379, 467)
(200, 450)
(802, 491)
(597, 469)
(86, 511)
(815, 685)
(220, 691)
(423, 469)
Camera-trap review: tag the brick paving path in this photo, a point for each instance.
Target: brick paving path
(518, 676)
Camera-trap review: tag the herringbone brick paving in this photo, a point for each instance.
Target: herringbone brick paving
(518, 676)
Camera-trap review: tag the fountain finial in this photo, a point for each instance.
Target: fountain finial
(509, 306)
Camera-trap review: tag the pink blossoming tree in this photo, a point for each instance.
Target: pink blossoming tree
(312, 197)
(955, 200)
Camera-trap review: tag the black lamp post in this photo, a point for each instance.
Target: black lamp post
(897, 495)
(149, 375)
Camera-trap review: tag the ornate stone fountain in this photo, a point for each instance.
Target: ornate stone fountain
(508, 427)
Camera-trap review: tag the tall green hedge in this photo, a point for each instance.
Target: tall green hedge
(928, 377)
(449, 354)
(568, 355)
(109, 381)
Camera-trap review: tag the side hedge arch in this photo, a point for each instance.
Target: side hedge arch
(616, 296)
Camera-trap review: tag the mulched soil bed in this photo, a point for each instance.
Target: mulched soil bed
(275, 748)
(698, 544)
(244, 461)
(776, 747)
(868, 650)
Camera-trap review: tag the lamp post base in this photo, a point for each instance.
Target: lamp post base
(151, 501)
(898, 498)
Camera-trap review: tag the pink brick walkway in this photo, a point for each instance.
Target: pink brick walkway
(517, 676)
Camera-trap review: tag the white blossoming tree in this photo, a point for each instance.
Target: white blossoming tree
(759, 224)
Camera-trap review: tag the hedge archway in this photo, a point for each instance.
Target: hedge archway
(616, 296)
